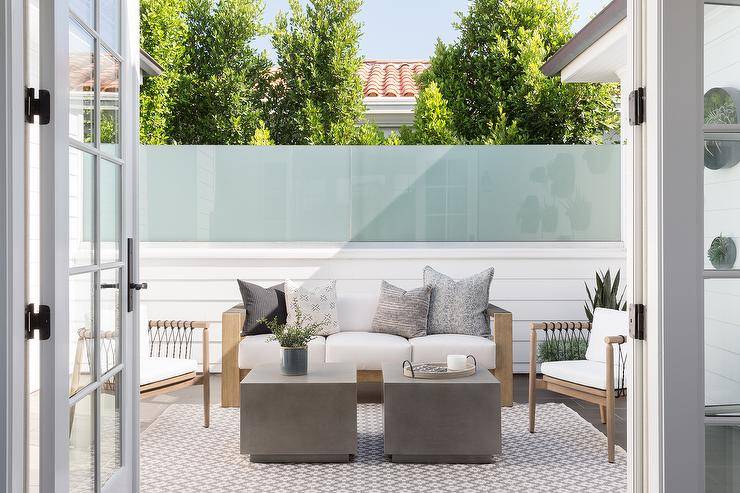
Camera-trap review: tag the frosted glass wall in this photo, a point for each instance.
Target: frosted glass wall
(365, 193)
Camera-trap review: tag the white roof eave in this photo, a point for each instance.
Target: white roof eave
(603, 61)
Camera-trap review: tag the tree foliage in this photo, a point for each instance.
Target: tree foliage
(222, 78)
(316, 94)
(163, 31)
(432, 120)
(491, 78)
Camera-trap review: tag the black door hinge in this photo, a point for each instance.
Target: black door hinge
(637, 322)
(40, 321)
(637, 106)
(38, 106)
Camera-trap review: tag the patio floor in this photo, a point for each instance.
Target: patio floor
(151, 408)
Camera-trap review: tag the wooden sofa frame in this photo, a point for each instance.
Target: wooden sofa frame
(233, 319)
(605, 399)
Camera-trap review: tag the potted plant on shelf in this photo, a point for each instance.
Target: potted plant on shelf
(722, 252)
(294, 341)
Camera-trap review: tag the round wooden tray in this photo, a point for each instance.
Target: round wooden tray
(437, 371)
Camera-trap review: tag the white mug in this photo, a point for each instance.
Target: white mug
(457, 361)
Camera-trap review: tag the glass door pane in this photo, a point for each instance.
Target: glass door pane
(721, 237)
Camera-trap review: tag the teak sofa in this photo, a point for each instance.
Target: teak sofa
(367, 350)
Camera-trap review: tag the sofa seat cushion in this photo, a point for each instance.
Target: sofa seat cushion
(255, 350)
(367, 350)
(154, 369)
(435, 348)
(583, 372)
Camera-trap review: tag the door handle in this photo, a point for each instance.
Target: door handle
(133, 285)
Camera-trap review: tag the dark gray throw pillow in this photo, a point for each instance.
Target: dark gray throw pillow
(400, 312)
(458, 307)
(261, 303)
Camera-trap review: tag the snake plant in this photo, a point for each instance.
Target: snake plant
(606, 294)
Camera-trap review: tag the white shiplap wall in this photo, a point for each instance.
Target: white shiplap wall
(535, 281)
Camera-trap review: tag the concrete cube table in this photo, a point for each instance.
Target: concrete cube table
(454, 420)
(308, 418)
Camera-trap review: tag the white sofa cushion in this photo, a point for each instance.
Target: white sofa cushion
(367, 350)
(154, 369)
(254, 350)
(606, 323)
(435, 348)
(356, 310)
(583, 372)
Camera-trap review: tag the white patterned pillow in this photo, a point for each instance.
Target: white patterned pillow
(317, 302)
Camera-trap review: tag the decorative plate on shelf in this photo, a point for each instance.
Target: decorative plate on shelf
(438, 371)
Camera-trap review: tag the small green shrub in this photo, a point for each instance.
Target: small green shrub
(561, 350)
(293, 336)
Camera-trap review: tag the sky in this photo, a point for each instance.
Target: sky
(408, 29)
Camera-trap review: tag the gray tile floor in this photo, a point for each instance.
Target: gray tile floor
(151, 408)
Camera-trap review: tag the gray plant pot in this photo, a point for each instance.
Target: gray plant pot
(293, 360)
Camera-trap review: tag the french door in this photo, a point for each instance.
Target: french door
(87, 397)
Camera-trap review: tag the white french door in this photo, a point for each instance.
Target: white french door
(667, 62)
(88, 52)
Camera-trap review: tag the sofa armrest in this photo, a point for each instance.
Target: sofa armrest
(502, 336)
(231, 327)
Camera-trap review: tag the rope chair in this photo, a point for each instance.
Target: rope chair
(166, 360)
(580, 362)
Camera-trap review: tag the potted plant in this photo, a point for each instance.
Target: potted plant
(294, 341)
(606, 295)
(722, 252)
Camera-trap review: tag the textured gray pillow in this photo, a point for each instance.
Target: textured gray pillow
(458, 307)
(400, 312)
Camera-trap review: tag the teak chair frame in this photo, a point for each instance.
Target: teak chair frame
(604, 398)
(167, 338)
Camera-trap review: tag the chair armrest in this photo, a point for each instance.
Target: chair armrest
(615, 340)
(231, 327)
(503, 338)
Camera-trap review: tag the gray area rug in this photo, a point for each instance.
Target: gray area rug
(565, 454)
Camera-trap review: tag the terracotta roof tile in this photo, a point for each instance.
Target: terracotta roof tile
(385, 78)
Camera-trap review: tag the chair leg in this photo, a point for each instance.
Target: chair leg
(532, 379)
(206, 399)
(602, 414)
(206, 379)
(610, 426)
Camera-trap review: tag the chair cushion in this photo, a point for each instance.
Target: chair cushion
(356, 310)
(400, 312)
(458, 307)
(155, 369)
(583, 372)
(261, 304)
(317, 301)
(606, 323)
(435, 348)
(367, 350)
(255, 350)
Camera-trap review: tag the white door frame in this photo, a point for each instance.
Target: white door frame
(633, 200)
(12, 249)
(673, 229)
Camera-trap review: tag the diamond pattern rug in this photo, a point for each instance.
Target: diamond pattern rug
(565, 454)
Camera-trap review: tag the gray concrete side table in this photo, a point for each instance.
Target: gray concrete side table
(307, 418)
(454, 420)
